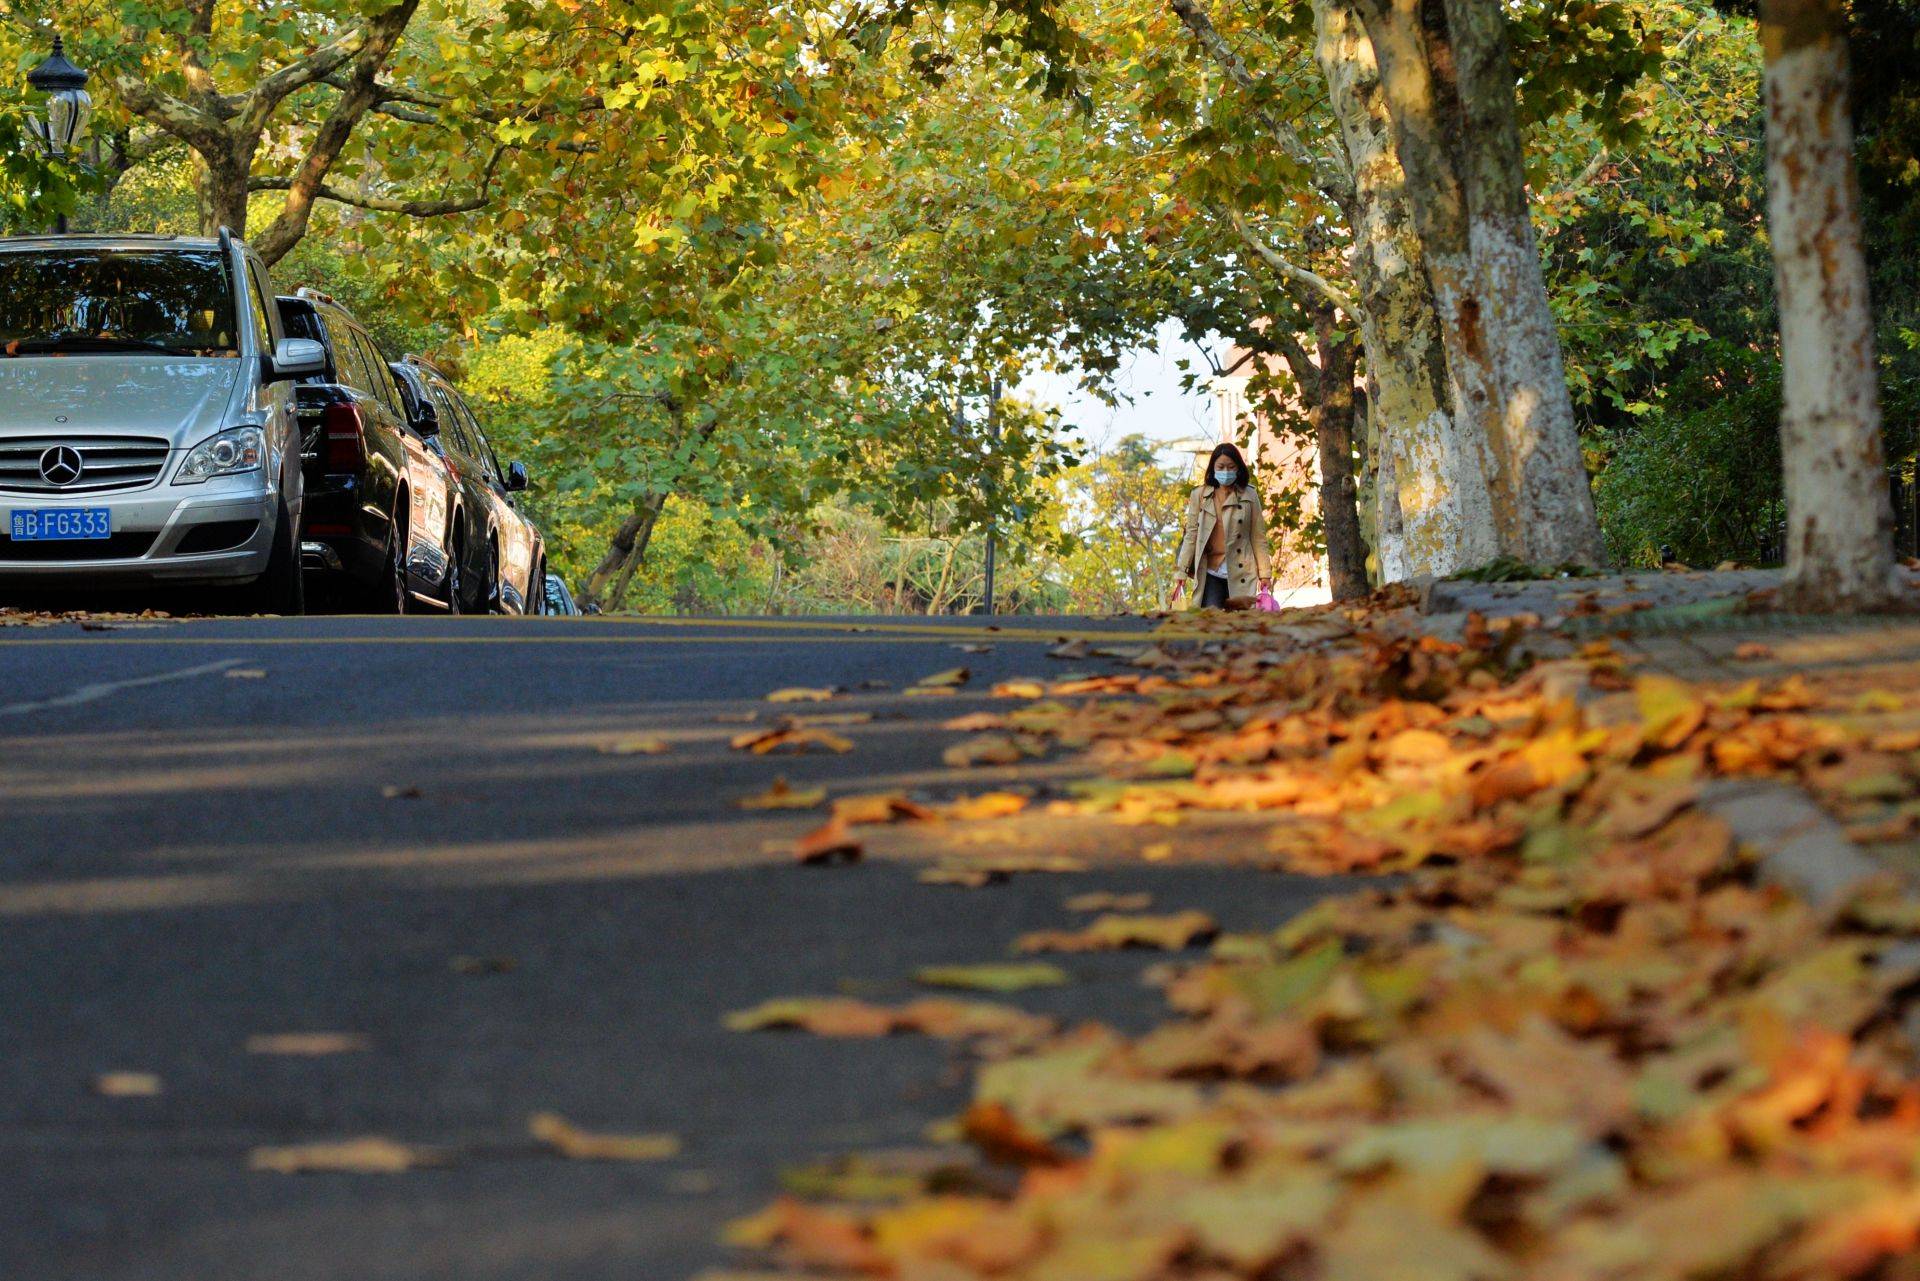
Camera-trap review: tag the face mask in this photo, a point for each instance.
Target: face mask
(1225, 475)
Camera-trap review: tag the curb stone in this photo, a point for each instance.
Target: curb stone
(1799, 845)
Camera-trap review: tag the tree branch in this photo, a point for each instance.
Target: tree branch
(1298, 275)
(380, 36)
(382, 30)
(411, 207)
(1334, 184)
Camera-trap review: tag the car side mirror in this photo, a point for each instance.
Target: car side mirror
(297, 358)
(516, 477)
(426, 419)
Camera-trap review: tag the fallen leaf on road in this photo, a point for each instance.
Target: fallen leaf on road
(1002, 976)
(1020, 689)
(1752, 651)
(947, 679)
(1001, 1138)
(369, 1155)
(245, 674)
(970, 878)
(400, 792)
(988, 749)
(801, 694)
(578, 1145)
(1017, 863)
(826, 1239)
(975, 722)
(1114, 932)
(1070, 649)
(929, 691)
(987, 805)
(784, 796)
(939, 1017)
(881, 807)
(645, 746)
(308, 1044)
(831, 842)
(1108, 901)
(973, 647)
(789, 735)
(834, 718)
(126, 1085)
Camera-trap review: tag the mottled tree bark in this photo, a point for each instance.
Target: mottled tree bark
(1839, 522)
(1333, 441)
(1450, 93)
(1435, 506)
(1535, 420)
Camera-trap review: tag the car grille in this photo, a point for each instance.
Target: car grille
(107, 463)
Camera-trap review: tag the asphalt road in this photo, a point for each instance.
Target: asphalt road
(198, 845)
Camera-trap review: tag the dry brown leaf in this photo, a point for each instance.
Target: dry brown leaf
(126, 1085)
(1752, 652)
(309, 1044)
(579, 1145)
(975, 722)
(831, 842)
(369, 1155)
(1114, 932)
(988, 749)
(782, 795)
(1108, 901)
(971, 878)
(881, 807)
(992, 1128)
(801, 694)
(1020, 689)
(789, 735)
(943, 680)
(987, 805)
(647, 745)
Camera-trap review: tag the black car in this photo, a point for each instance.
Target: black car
(379, 499)
(498, 556)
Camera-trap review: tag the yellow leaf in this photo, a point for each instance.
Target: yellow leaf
(784, 796)
(800, 694)
(368, 1155)
(578, 1145)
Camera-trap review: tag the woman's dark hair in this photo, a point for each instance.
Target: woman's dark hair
(1232, 454)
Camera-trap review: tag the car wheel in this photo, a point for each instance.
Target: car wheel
(455, 586)
(493, 600)
(282, 588)
(393, 597)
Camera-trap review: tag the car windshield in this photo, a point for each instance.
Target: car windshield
(176, 301)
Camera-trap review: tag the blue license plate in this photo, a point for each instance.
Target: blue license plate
(41, 523)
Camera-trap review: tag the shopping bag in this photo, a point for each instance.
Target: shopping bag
(1265, 602)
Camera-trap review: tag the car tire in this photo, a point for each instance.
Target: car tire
(391, 596)
(455, 585)
(282, 588)
(493, 599)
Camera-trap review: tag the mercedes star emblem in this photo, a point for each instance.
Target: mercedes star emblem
(61, 465)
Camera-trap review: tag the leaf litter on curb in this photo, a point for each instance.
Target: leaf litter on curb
(1575, 1038)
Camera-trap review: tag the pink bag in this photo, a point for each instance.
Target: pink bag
(1265, 603)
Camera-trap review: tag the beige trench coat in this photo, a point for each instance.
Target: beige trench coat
(1247, 560)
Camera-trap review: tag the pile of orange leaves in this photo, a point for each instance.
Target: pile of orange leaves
(1579, 1037)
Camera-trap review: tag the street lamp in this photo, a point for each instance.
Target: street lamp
(69, 106)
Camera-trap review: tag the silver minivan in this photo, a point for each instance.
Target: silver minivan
(147, 428)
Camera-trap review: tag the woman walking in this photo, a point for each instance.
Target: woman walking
(1223, 558)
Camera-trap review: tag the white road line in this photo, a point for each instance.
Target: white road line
(88, 693)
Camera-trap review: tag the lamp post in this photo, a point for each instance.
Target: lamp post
(69, 106)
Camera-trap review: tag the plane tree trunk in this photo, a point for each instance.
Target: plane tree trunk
(1839, 523)
(1447, 79)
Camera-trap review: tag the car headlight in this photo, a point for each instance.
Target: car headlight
(235, 450)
